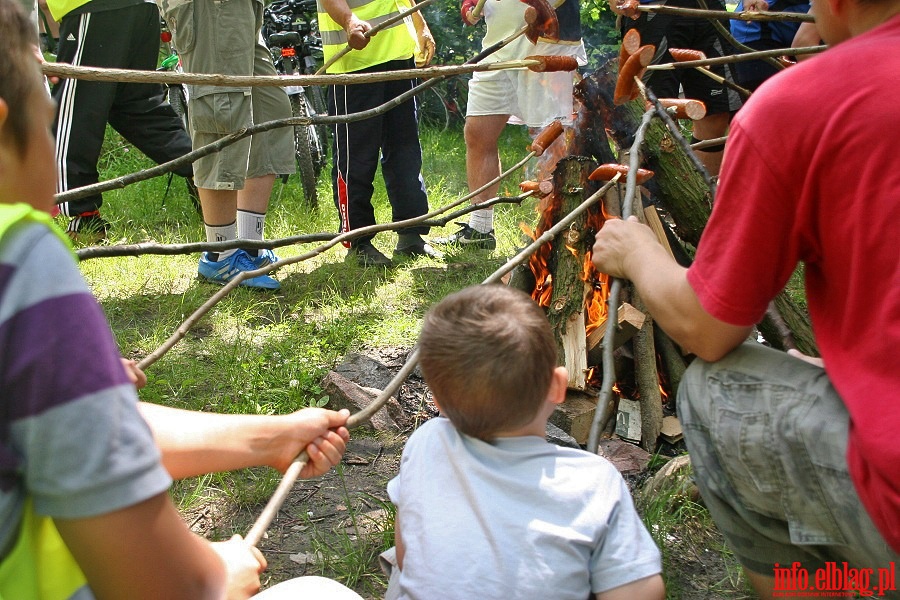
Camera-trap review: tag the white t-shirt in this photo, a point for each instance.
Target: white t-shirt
(515, 518)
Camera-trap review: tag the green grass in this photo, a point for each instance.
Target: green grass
(267, 353)
(263, 353)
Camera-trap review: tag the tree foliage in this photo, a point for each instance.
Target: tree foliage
(456, 42)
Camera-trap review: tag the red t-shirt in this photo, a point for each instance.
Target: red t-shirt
(812, 173)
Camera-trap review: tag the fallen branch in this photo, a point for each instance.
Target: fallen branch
(293, 472)
(90, 252)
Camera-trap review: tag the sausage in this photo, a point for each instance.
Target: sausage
(683, 54)
(610, 170)
(685, 108)
(553, 63)
(539, 188)
(631, 41)
(626, 90)
(546, 137)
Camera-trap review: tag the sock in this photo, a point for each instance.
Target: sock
(220, 233)
(250, 226)
(482, 220)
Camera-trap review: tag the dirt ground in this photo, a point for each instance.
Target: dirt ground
(334, 525)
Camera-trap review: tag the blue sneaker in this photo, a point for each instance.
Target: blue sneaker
(265, 258)
(223, 271)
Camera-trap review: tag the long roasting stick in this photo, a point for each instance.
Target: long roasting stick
(68, 71)
(733, 58)
(545, 137)
(293, 472)
(746, 15)
(604, 403)
(534, 63)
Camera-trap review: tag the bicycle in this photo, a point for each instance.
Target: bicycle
(444, 105)
(176, 93)
(290, 30)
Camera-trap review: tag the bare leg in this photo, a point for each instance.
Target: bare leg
(255, 195)
(482, 154)
(708, 128)
(763, 584)
(219, 206)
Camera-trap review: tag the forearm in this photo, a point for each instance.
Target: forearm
(338, 10)
(193, 443)
(144, 551)
(673, 304)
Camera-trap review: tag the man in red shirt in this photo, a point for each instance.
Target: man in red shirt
(797, 463)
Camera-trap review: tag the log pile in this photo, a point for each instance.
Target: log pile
(648, 364)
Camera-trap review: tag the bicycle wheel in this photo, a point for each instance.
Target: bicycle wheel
(304, 149)
(316, 98)
(431, 110)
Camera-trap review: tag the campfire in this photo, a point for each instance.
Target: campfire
(561, 278)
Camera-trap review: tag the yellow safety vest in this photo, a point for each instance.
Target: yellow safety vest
(39, 566)
(60, 8)
(396, 42)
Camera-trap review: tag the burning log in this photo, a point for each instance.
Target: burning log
(678, 186)
(570, 254)
(630, 320)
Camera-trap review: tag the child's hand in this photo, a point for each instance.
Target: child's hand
(243, 564)
(134, 372)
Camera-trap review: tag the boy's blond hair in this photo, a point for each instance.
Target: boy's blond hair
(488, 355)
(18, 71)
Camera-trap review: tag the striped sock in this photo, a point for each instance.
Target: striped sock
(220, 233)
(251, 226)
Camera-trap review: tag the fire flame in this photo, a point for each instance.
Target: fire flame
(596, 297)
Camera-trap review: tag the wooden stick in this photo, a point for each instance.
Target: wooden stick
(746, 15)
(734, 58)
(68, 71)
(380, 26)
(293, 472)
(604, 404)
(140, 249)
(479, 6)
(741, 90)
(188, 323)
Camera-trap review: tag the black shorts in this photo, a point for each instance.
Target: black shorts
(675, 31)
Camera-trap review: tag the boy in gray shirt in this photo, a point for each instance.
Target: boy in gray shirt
(486, 508)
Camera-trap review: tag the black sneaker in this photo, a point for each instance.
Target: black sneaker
(367, 255)
(468, 237)
(420, 249)
(88, 227)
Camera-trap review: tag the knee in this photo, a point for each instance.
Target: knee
(476, 139)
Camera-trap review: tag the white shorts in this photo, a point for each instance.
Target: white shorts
(533, 99)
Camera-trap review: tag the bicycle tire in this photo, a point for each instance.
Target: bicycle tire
(317, 100)
(303, 150)
(178, 101)
(431, 110)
